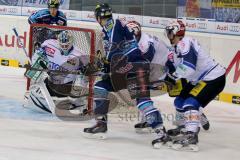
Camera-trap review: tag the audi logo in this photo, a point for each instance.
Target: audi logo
(12, 10)
(202, 26)
(234, 28)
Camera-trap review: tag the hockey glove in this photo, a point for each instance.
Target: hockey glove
(170, 79)
(90, 69)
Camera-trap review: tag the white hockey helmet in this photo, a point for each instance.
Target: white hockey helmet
(65, 40)
(135, 27)
(177, 27)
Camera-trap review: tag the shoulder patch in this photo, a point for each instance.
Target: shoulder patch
(183, 46)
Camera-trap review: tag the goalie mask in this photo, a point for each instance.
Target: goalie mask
(65, 40)
(53, 4)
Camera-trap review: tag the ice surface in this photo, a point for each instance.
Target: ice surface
(27, 135)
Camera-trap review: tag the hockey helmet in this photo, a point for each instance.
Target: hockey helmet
(65, 40)
(177, 27)
(103, 11)
(135, 27)
(53, 3)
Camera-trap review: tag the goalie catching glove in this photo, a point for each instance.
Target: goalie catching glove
(96, 66)
(90, 69)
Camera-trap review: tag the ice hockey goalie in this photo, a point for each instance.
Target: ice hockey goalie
(51, 90)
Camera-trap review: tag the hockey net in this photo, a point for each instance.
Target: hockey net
(86, 40)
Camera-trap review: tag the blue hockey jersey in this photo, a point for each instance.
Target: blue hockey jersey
(119, 39)
(44, 17)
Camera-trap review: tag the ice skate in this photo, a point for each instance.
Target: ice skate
(181, 129)
(143, 127)
(98, 131)
(176, 131)
(186, 142)
(162, 138)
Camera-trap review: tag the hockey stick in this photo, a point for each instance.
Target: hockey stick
(78, 72)
(21, 44)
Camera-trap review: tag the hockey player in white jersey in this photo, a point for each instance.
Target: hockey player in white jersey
(55, 54)
(150, 44)
(206, 79)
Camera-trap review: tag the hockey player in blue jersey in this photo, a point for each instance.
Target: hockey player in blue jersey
(120, 45)
(49, 16)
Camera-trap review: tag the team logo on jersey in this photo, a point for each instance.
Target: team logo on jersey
(171, 57)
(236, 99)
(72, 61)
(60, 22)
(181, 45)
(125, 69)
(50, 51)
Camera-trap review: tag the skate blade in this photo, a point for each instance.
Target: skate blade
(144, 130)
(162, 145)
(189, 148)
(100, 136)
(158, 145)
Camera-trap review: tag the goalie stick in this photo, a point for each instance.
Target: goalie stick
(21, 44)
(79, 72)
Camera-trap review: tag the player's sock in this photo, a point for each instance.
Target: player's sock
(189, 140)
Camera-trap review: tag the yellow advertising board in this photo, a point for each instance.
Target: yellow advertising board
(226, 3)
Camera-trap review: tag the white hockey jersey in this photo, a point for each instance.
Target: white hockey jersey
(58, 61)
(158, 50)
(193, 63)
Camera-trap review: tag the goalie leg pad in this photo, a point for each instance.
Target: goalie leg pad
(39, 99)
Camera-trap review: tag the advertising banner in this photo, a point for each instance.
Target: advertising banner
(200, 25)
(226, 3)
(229, 28)
(9, 46)
(10, 2)
(155, 21)
(227, 15)
(195, 8)
(10, 10)
(43, 3)
(33, 3)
